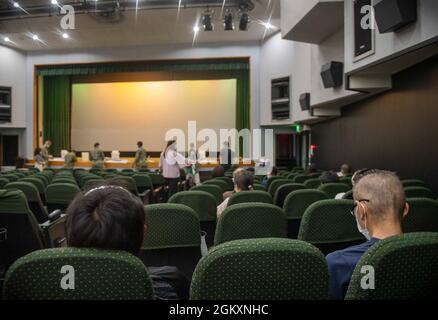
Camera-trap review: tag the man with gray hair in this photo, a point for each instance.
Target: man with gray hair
(379, 208)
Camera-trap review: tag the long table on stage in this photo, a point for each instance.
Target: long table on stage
(124, 163)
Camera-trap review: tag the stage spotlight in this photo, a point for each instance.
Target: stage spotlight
(35, 37)
(196, 29)
(206, 22)
(244, 21)
(16, 5)
(228, 22)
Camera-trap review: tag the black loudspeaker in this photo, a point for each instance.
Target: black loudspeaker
(332, 74)
(363, 37)
(305, 101)
(391, 15)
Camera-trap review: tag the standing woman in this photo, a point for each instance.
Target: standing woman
(40, 164)
(170, 164)
(140, 157)
(44, 152)
(97, 157)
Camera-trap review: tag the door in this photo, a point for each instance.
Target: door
(284, 150)
(9, 150)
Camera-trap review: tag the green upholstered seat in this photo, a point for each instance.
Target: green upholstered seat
(419, 192)
(283, 190)
(332, 189)
(98, 275)
(203, 203)
(3, 181)
(250, 197)
(422, 216)
(271, 180)
(250, 220)
(214, 190)
(259, 187)
(143, 182)
(312, 183)
(60, 195)
(301, 178)
(220, 183)
(277, 183)
(261, 269)
(405, 268)
(413, 183)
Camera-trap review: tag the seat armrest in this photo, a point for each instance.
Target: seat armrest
(54, 232)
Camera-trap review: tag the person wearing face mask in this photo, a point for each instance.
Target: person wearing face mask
(379, 208)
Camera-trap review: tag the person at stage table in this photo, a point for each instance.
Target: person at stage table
(226, 156)
(140, 157)
(45, 152)
(97, 157)
(170, 164)
(192, 172)
(70, 160)
(39, 161)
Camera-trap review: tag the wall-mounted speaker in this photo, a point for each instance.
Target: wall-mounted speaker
(392, 15)
(332, 74)
(305, 101)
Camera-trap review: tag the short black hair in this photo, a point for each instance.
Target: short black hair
(106, 217)
(140, 144)
(329, 177)
(274, 171)
(96, 144)
(218, 171)
(243, 179)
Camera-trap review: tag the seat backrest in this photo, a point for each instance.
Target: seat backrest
(214, 190)
(203, 203)
(404, 268)
(250, 220)
(94, 275)
(250, 197)
(261, 269)
(3, 181)
(271, 180)
(171, 225)
(61, 193)
(33, 198)
(37, 183)
(220, 183)
(90, 183)
(419, 192)
(422, 216)
(22, 232)
(11, 177)
(259, 187)
(143, 181)
(283, 191)
(63, 180)
(413, 183)
(301, 178)
(130, 183)
(297, 202)
(43, 178)
(276, 184)
(332, 189)
(157, 179)
(312, 183)
(329, 221)
(348, 195)
(228, 181)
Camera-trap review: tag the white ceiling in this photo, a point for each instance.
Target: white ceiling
(162, 26)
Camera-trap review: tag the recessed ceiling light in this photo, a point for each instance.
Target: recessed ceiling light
(7, 39)
(65, 35)
(35, 37)
(16, 5)
(55, 2)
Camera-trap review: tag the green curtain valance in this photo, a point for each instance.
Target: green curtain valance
(96, 68)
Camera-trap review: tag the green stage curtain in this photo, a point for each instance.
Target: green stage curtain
(242, 104)
(56, 112)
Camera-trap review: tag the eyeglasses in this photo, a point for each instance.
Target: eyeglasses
(355, 205)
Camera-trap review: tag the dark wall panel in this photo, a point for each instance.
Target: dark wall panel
(397, 130)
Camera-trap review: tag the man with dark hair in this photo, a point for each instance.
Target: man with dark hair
(110, 217)
(329, 177)
(380, 206)
(218, 171)
(140, 157)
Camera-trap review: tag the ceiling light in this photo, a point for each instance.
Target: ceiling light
(196, 29)
(65, 35)
(16, 5)
(35, 37)
(206, 22)
(268, 25)
(244, 21)
(55, 2)
(228, 22)
(7, 39)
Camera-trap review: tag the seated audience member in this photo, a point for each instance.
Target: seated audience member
(70, 160)
(218, 171)
(310, 169)
(40, 163)
(243, 181)
(380, 206)
(110, 217)
(345, 170)
(270, 174)
(329, 177)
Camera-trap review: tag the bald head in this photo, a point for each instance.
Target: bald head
(385, 193)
